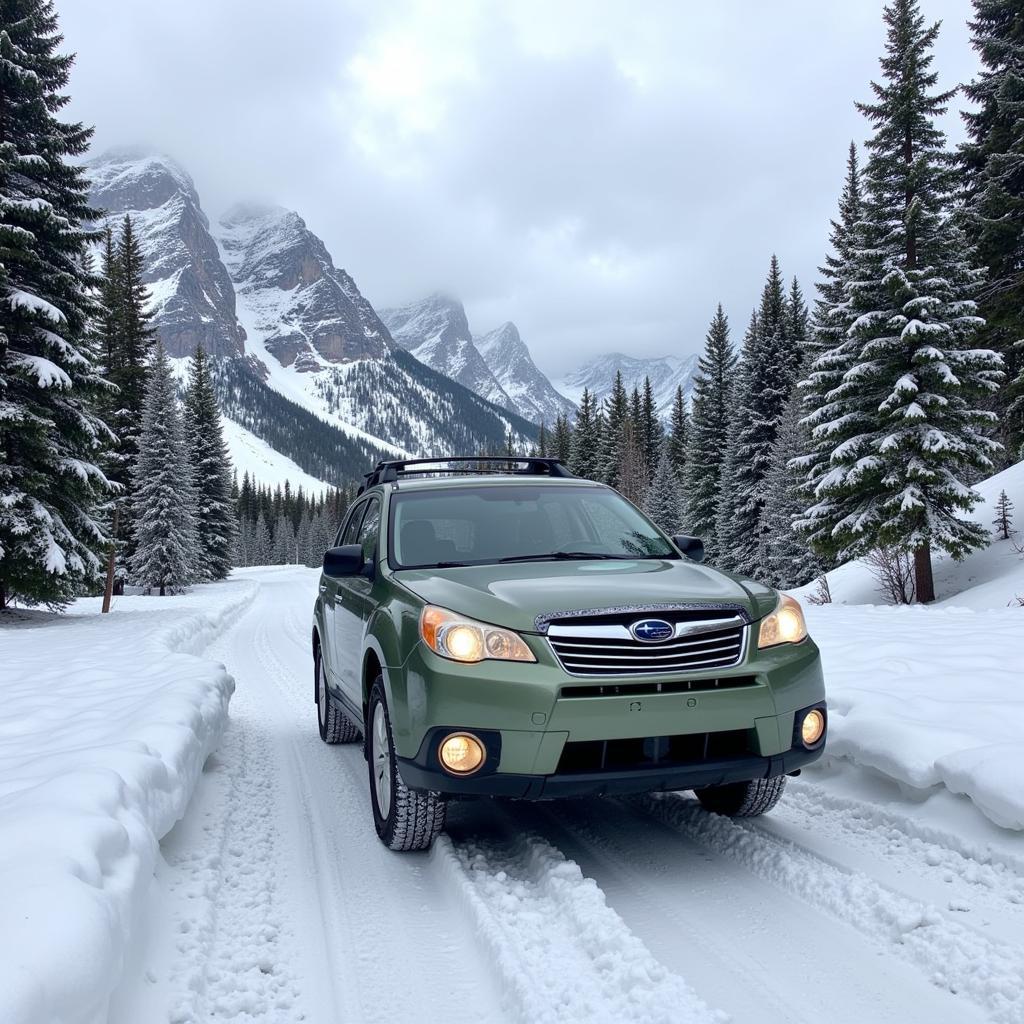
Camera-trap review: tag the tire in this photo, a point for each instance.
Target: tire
(743, 799)
(335, 726)
(409, 820)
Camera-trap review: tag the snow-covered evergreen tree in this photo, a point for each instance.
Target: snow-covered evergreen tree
(585, 457)
(787, 558)
(664, 501)
(1003, 521)
(163, 502)
(992, 159)
(677, 438)
(708, 435)
(631, 474)
(616, 413)
(650, 430)
(902, 424)
(211, 471)
(262, 550)
(561, 441)
(284, 541)
(51, 437)
(760, 400)
(302, 538)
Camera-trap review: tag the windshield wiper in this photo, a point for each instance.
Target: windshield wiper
(564, 556)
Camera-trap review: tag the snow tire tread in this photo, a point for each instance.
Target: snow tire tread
(743, 799)
(416, 817)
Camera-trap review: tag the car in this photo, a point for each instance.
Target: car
(500, 628)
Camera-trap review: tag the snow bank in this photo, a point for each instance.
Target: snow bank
(105, 724)
(992, 577)
(929, 696)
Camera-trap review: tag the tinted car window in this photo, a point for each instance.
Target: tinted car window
(367, 537)
(351, 529)
(465, 525)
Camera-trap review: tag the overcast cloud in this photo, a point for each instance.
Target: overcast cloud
(601, 173)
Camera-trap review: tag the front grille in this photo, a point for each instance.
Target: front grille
(602, 645)
(654, 752)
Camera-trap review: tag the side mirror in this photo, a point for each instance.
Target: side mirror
(692, 547)
(344, 561)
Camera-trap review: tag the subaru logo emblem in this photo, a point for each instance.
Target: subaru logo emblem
(652, 631)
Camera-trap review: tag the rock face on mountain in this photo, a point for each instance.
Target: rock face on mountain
(307, 311)
(436, 332)
(530, 391)
(193, 298)
(666, 374)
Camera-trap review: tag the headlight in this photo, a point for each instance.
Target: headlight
(785, 625)
(461, 639)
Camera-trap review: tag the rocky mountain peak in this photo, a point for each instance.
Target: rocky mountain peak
(306, 310)
(193, 299)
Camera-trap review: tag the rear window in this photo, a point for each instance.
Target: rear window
(475, 526)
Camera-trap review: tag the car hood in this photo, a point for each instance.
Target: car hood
(515, 594)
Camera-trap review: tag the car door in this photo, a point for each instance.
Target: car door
(329, 589)
(352, 605)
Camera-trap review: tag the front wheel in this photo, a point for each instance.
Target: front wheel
(743, 799)
(405, 819)
(335, 725)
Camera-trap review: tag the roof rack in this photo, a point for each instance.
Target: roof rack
(390, 471)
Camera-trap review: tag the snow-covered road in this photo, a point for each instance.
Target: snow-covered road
(274, 900)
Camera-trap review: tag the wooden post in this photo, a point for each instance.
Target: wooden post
(108, 588)
(924, 582)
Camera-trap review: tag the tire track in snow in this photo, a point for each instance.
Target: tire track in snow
(400, 953)
(233, 936)
(951, 955)
(563, 953)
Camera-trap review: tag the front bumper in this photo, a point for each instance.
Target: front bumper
(530, 714)
(614, 783)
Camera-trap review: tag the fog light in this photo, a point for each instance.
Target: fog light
(461, 753)
(812, 728)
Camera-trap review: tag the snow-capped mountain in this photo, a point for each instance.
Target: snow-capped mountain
(324, 347)
(435, 330)
(509, 359)
(308, 312)
(302, 361)
(666, 374)
(192, 294)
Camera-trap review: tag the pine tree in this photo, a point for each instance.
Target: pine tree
(1003, 521)
(678, 434)
(561, 443)
(585, 459)
(902, 424)
(262, 546)
(797, 331)
(650, 429)
(760, 401)
(613, 432)
(663, 503)
(51, 436)
(542, 441)
(631, 473)
(992, 160)
(164, 499)
(302, 538)
(709, 434)
(284, 541)
(211, 469)
(786, 556)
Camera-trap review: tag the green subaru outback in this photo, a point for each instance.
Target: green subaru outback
(502, 628)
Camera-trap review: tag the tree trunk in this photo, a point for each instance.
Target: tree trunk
(924, 584)
(3, 596)
(162, 590)
(108, 588)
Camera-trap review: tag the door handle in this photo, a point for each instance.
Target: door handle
(323, 588)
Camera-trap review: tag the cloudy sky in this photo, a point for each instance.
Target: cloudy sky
(602, 173)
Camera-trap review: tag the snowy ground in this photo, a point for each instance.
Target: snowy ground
(863, 897)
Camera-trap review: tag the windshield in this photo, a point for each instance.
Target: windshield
(475, 526)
